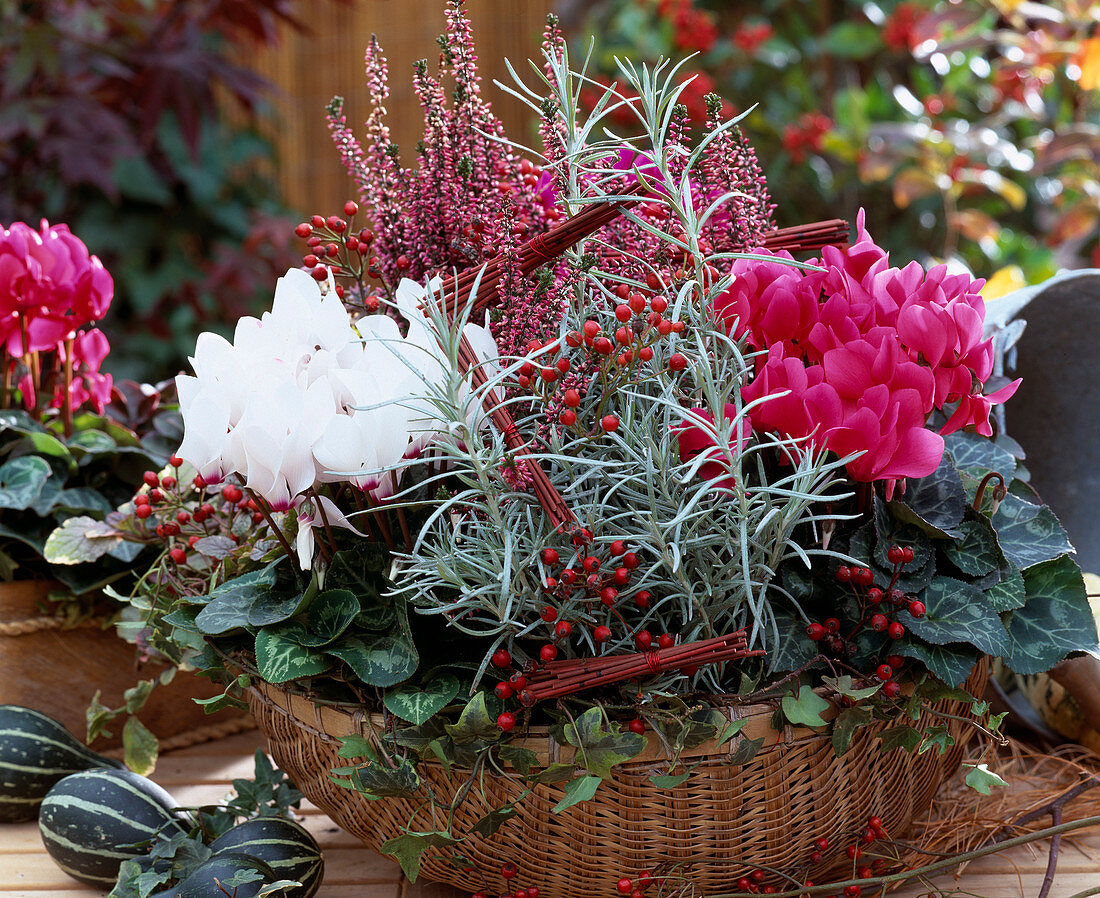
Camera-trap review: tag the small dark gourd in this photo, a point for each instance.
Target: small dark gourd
(287, 847)
(94, 820)
(205, 878)
(35, 752)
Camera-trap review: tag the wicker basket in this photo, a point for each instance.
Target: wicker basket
(57, 670)
(723, 821)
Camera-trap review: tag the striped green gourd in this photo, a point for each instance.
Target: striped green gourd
(205, 879)
(286, 846)
(35, 752)
(90, 822)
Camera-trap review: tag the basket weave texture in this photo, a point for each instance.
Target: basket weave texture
(721, 823)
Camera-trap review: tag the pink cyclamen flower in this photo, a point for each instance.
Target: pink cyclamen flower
(49, 286)
(859, 354)
(695, 439)
(89, 385)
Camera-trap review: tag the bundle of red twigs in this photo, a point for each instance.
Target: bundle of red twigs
(558, 678)
(456, 294)
(808, 237)
(535, 252)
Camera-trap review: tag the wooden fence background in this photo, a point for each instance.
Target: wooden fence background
(308, 69)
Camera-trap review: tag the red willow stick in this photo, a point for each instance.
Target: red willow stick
(807, 237)
(456, 292)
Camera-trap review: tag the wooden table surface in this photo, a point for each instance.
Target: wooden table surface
(201, 775)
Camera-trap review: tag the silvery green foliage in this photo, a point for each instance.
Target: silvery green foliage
(709, 552)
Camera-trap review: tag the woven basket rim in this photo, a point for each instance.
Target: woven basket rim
(336, 721)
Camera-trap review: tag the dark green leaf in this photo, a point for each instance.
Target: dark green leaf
(978, 455)
(937, 737)
(331, 613)
(417, 705)
(1010, 592)
(583, 788)
(1029, 534)
(21, 481)
(890, 529)
(522, 759)
(223, 615)
(793, 647)
(280, 660)
(670, 780)
(806, 708)
(355, 746)
(904, 737)
(474, 723)
(243, 590)
(1055, 621)
(409, 849)
(852, 40)
(82, 499)
(957, 612)
(976, 553)
(844, 727)
(493, 821)
(745, 750)
(845, 687)
(384, 781)
(376, 660)
(273, 606)
(935, 503)
(950, 663)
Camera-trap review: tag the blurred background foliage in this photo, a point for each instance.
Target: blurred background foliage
(969, 130)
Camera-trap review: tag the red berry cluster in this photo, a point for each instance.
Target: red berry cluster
(334, 247)
(509, 872)
(615, 357)
(169, 511)
(876, 608)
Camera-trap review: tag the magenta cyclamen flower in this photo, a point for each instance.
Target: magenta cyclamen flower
(49, 286)
(863, 353)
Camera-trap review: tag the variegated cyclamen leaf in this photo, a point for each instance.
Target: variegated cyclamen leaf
(1029, 534)
(376, 660)
(1010, 592)
(21, 481)
(1055, 621)
(955, 610)
(935, 503)
(951, 663)
(280, 660)
(976, 553)
(330, 613)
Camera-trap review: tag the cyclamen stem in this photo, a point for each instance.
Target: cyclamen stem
(326, 550)
(67, 397)
(265, 510)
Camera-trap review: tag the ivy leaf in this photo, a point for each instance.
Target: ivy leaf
(356, 746)
(746, 750)
(845, 687)
(844, 727)
(936, 503)
(1055, 621)
(409, 849)
(474, 723)
(493, 821)
(577, 790)
(383, 781)
(280, 659)
(950, 663)
(376, 660)
(905, 737)
(806, 708)
(600, 748)
(417, 705)
(79, 540)
(522, 759)
(937, 737)
(957, 612)
(21, 481)
(729, 730)
(331, 613)
(670, 781)
(980, 778)
(976, 553)
(1029, 534)
(139, 747)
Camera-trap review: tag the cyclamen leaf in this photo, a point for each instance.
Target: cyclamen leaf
(376, 660)
(280, 660)
(806, 708)
(935, 503)
(417, 705)
(950, 663)
(331, 613)
(1055, 621)
(1029, 534)
(583, 788)
(1010, 592)
(976, 553)
(978, 456)
(21, 481)
(957, 611)
(242, 590)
